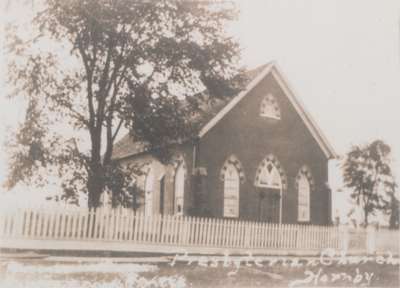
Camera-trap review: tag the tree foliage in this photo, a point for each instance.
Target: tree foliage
(138, 65)
(367, 172)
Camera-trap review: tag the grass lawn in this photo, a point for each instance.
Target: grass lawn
(44, 273)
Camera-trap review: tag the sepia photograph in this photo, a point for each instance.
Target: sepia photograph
(199, 143)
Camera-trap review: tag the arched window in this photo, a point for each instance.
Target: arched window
(148, 190)
(231, 191)
(179, 188)
(270, 174)
(305, 184)
(269, 177)
(269, 107)
(271, 182)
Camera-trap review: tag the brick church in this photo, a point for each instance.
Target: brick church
(259, 156)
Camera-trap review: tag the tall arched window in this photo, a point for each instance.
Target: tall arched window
(231, 191)
(304, 182)
(148, 190)
(179, 189)
(270, 108)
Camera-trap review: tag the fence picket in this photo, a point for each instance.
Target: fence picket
(67, 224)
(204, 231)
(234, 233)
(117, 223)
(192, 226)
(229, 233)
(207, 231)
(136, 228)
(197, 232)
(73, 225)
(255, 234)
(165, 229)
(49, 223)
(96, 220)
(173, 228)
(186, 230)
(152, 232)
(237, 233)
(193, 231)
(251, 235)
(213, 232)
(142, 228)
(178, 240)
(88, 224)
(287, 235)
(201, 234)
(46, 215)
(182, 236)
(129, 231)
(258, 234)
(219, 232)
(34, 220)
(159, 228)
(122, 224)
(262, 234)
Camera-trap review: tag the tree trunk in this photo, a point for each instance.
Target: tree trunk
(96, 172)
(365, 218)
(95, 186)
(394, 213)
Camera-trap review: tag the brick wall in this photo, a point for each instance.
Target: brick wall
(250, 138)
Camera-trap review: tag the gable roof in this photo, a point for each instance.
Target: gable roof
(126, 146)
(273, 69)
(212, 114)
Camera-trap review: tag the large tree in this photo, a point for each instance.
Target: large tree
(102, 66)
(367, 172)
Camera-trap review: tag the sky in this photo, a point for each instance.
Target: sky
(341, 58)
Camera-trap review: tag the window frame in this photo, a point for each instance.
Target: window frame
(179, 170)
(235, 195)
(304, 175)
(267, 101)
(275, 169)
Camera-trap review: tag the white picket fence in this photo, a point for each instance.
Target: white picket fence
(124, 226)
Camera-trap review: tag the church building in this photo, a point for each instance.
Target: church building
(259, 156)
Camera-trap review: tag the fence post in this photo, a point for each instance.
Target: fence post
(371, 239)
